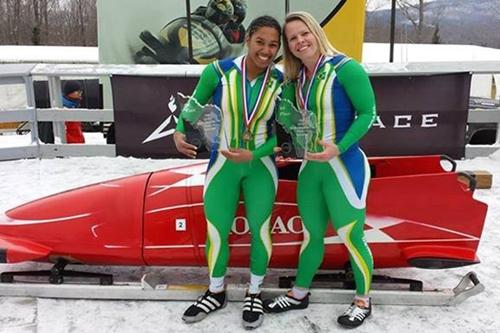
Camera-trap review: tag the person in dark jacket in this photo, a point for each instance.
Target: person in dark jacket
(72, 96)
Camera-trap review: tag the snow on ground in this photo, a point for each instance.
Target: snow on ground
(10, 139)
(24, 180)
(48, 54)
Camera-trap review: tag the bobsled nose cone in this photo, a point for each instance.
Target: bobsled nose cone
(17, 249)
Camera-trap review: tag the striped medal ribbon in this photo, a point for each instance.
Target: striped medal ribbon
(247, 135)
(302, 81)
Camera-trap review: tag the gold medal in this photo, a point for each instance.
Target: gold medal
(247, 136)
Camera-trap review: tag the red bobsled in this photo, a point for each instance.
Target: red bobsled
(418, 215)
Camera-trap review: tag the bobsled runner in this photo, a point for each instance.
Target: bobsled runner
(418, 215)
(151, 289)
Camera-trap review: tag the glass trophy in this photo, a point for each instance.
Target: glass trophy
(300, 125)
(206, 119)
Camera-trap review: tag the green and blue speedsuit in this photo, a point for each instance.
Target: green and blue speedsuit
(221, 82)
(342, 99)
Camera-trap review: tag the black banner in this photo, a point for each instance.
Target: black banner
(417, 115)
(146, 111)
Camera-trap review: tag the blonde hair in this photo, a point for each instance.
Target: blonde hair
(292, 64)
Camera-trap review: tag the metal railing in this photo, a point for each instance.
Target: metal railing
(25, 74)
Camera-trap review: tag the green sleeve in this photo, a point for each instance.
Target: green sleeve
(204, 90)
(266, 149)
(357, 85)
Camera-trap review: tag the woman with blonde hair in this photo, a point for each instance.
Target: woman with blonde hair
(334, 176)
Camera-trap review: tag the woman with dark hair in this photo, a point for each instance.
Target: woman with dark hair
(334, 176)
(245, 90)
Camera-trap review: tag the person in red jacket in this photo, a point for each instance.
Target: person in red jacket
(72, 95)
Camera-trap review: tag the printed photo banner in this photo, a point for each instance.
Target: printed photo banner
(156, 31)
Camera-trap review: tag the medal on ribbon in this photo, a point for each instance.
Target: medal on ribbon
(250, 117)
(304, 100)
(247, 136)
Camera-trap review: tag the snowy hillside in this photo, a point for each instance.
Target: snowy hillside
(459, 21)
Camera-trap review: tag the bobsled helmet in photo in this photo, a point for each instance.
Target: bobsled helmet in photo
(219, 11)
(240, 10)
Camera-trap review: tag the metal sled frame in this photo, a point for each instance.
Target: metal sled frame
(150, 288)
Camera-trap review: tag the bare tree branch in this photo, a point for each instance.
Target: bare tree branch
(48, 22)
(415, 13)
